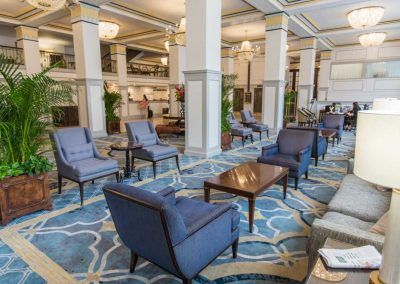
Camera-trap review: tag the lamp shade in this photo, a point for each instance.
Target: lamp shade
(377, 153)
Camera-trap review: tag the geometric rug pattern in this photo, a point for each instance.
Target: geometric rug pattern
(72, 244)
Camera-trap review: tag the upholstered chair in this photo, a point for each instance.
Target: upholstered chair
(334, 122)
(154, 150)
(319, 146)
(181, 235)
(292, 150)
(238, 130)
(78, 159)
(249, 120)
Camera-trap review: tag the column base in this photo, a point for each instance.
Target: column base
(201, 153)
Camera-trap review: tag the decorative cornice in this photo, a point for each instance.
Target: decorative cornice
(118, 49)
(227, 53)
(308, 43)
(276, 21)
(84, 12)
(326, 55)
(27, 33)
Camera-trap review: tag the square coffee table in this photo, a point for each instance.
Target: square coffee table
(248, 180)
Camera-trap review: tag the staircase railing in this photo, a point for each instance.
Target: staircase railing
(65, 61)
(13, 54)
(148, 70)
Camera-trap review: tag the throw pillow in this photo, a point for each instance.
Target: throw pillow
(380, 227)
(78, 152)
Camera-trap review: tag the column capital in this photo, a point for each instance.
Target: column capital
(308, 43)
(27, 33)
(326, 55)
(227, 53)
(84, 12)
(118, 48)
(276, 21)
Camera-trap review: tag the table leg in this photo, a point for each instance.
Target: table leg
(252, 203)
(285, 183)
(128, 172)
(333, 141)
(207, 194)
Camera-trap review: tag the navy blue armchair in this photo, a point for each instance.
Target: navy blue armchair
(249, 120)
(238, 130)
(319, 145)
(334, 122)
(180, 235)
(153, 149)
(78, 159)
(292, 150)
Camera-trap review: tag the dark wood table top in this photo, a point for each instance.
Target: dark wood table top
(124, 146)
(248, 179)
(352, 276)
(173, 117)
(327, 133)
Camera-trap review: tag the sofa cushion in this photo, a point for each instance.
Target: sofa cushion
(259, 127)
(241, 131)
(91, 166)
(282, 160)
(360, 199)
(381, 226)
(157, 151)
(147, 139)
(78, 152)
(348, 221)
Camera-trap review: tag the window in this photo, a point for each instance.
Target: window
(385, 69)
(347, 71)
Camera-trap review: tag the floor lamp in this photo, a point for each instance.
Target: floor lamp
(377, 160)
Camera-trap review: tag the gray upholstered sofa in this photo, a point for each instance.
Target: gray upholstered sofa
(355, 208)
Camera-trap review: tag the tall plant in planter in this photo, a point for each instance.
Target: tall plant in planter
(25, 117)
(112, 103)
(227, 86)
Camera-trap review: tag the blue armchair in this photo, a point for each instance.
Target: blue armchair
(180, 235)
(238, 130)
(292, 150)
(78, 159)
(335, 122)
(153, 149)
(249, 120)
(319, 145)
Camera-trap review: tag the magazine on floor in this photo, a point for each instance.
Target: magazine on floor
(366, 257)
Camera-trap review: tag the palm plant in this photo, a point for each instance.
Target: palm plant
(227, 86)
(26, 107)
(112, 102)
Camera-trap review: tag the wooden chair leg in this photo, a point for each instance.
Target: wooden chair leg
(177, 163)
(81, 192)
(235, 246)
(316, 162)
(296, 183)
(154, 170)
(243, 141)
(323, 157)
(187, 281)
(268, 134)
(306, 173)
(59, 183)
(251, 138)
(134, 259)
(117, 177)
(92, 181)
(260, 135)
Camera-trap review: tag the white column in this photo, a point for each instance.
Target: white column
(203, 77)
(228, 64)
(307, 69)
(27, 39)
(85, 19)
(177, 64)
(118, 53)
(276, 26)
(324, 75)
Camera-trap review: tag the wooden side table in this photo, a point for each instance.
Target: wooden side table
(127, 147)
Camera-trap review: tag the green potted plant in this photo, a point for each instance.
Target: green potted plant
(289, 99)
(227, 86)
(26, 108)
(112, 103)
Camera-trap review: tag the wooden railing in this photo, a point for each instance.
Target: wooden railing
(148, 70)
(13, 54)
(108, 65)
(64, 61)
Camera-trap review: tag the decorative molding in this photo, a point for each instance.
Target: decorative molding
(27, 33)
(308, 43)
(326, 55)
(227, 53)
(118, 49)
(86, 13)
(276, 21)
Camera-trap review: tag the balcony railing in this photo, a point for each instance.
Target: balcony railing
(108, 65)
(64, 61)
(13, 54)
(148, 70)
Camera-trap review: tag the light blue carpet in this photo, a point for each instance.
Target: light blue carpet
(80, 244)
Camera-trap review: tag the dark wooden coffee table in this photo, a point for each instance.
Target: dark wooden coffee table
(127, 147)
(248, 180)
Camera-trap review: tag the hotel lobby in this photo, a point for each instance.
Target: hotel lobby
(199, 141)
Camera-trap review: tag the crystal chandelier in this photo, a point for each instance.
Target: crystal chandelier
(48, 5)
(164, 61)
(180, 33)
(246, 52)
(372, 39)
(108, 30)
(365, 17)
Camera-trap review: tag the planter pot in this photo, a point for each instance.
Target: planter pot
(113, 127)
(23, 195)
(226, 141)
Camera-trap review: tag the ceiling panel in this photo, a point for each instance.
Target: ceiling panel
(255, 30)
(353, 38)
(14, 7)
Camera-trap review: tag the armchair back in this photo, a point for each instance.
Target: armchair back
(232, 121)
(142, 132)
(314, 131)
(333, 121)
(291, 142)
(247, 116)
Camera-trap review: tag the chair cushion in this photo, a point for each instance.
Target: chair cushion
(191, 209)
(155, 151)
(360, 199)
(259, 127)
(282, 160)
(147, 139)
(348, 221)
(78, 152)
(93, 166)
(241, 131)
(291, 141)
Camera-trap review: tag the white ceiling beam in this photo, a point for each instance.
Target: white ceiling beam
(7, 20)
(45, 17)
(305, 7)
(142, 36)
(266, 6)
(138, 56)
(147, 48)
(385, 26)
(242, 18)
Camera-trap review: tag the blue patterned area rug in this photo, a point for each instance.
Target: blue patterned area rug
(79, 244)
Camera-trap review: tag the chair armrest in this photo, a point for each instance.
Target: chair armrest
(303, 154)
(270, 150)
(169, 193)
(217, 211)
